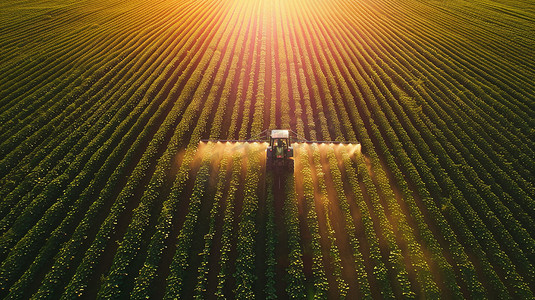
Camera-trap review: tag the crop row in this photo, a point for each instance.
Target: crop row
(227, 230)
(363, 134)
(140, 219)
(76, 185)
(137, 175)
(368, 72)
(101, 112)
(342, 286)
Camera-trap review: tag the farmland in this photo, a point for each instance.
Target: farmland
(107, 192)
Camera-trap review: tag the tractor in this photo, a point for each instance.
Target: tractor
(280, 153)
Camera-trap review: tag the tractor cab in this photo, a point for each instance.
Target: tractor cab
(280, 152)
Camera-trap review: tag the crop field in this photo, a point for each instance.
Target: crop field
(107, 191)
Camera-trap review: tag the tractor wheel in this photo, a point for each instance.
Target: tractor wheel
(291, 165)
(269, 165)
